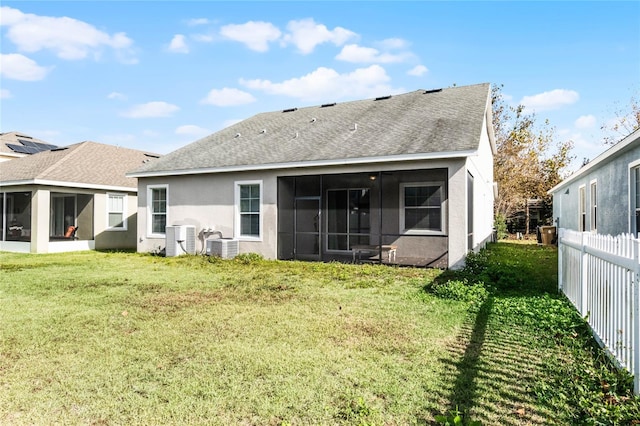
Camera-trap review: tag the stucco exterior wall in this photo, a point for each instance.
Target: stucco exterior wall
(208, 201)
(612, 178)
(481, 168)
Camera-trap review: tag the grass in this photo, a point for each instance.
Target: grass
(125, 338)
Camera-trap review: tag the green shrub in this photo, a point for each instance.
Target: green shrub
(461, 290)
(249, 258)
(500, 225)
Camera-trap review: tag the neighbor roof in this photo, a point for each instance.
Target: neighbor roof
(16, 144)
(84, 165)
(419, 124)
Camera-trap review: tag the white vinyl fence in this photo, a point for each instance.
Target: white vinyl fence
(600, 275)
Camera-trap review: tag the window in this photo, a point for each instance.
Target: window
(421, 208)
(348, 220)
(249, 209)
(594, 205)
(582, 225)
(158, 197)
(635, 200)
(116, 212)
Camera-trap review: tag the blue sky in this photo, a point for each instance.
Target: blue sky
(156, 76)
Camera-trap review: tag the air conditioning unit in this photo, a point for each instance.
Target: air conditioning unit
(225, 248)
(181, 239)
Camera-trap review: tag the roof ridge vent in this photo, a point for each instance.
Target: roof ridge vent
(382, 98)
(426, 92)
(290, 110)
(327, 105)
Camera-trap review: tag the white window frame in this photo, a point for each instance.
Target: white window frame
(238, 227)
(150, 188)
(582, 208)
(593, 205)
(124, 211)
(634, 206)
(443, 209)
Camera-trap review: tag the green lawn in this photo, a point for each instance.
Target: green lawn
(123, 338)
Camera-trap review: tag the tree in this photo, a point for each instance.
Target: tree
(627, 119)
(529, 161)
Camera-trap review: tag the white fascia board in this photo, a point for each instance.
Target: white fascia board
(307, 164)
(43, 182)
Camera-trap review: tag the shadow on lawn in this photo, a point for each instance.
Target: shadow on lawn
(493, 366)
(491, 374)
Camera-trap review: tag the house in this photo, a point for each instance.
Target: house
(604, 195)
(403, 179)
(71, 198)
(16, 145)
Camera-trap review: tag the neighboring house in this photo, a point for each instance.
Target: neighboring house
(71, 198)
(408, 177)
(16, 145)
(604, 195)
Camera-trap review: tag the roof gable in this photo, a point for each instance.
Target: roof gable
(413, 124)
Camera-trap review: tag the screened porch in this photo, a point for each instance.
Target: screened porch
(397, 217)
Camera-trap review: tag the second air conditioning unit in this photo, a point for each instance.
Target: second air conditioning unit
(181, 239)
(225, 248)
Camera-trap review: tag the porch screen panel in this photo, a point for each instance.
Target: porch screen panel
(349, 218)
(18, 216)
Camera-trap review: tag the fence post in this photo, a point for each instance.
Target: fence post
(636, 318)
(583, 275)
(560, 250)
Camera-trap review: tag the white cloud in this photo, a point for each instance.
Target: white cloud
(585, 122)
(228, 97)
(117, 96)
(255, 35)
(18, 67)
(323, 82)
(150, 110)
(203, 38)
(197, 21)
(393, 43)
(418, 71)
(358, 54)
(192, 130)
(5, 94)
(68, 38)
(178, 44)
(550, 100)
(306, 34)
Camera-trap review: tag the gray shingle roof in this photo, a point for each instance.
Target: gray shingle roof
(446, 121)
(84, 163)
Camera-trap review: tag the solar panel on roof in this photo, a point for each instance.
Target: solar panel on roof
(22, 149)
(37, 146)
